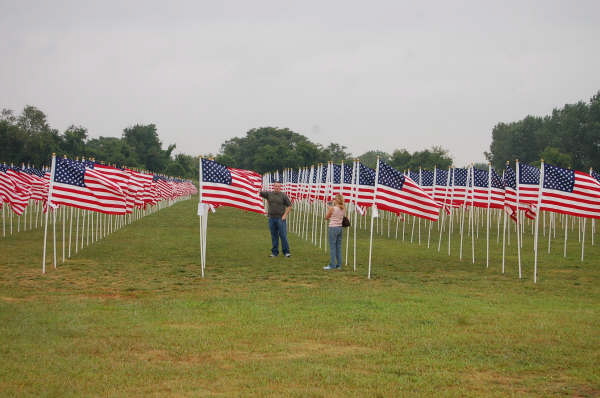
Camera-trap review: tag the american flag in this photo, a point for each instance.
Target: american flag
(400, 194)
(595, 175)
(336, 179)
(40, 183)
(365, 186)
(441, 186)
(11, 193)
(480, 189)
(222, 186)
(460, 184)
(414, 175)
(427, 181)
(348, 190)
(121, 177)
(529, 189)
(83, 187)
(570, 192)
(510, 192)
(294, 184)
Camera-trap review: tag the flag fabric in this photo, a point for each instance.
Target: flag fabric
(440, 188)
(595, 175)
(480, 187)
(400, 194)
(510, 192)
(348, 188)
(460, 183)
(336, 180)
(11, 193)
(39, 185)
(570, 192)
(365, 187)
(427, 181)
(529, 189)
(82, 187)
(222, 186)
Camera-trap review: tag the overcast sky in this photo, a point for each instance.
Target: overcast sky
(365, 74)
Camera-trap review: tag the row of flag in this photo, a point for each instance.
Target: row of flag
(424, 193)
(87, 185)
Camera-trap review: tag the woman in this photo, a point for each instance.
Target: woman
(335, 214)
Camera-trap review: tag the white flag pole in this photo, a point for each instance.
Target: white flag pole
(489, 203)
(355, 174)
(519, 233)
(201, 213)
(70, 229)
(48, 207)
(373, 215)
(473, 221)
(583, 238)
(443, 209)
(537, 222)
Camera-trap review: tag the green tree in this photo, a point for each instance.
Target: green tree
(369, 158)
(73, 141)
(146, 147)
(270, 148)
(336, 153)
(573, 131)
(555, 157)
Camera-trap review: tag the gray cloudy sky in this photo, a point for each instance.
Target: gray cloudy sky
(368, 75)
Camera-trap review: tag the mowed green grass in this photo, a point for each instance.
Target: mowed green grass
(130, 316)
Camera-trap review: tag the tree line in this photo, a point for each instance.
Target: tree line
(270, 148)
(569, 137)
(28, 138)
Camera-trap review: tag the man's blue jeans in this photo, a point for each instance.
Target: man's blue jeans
(335, 246)
(278, 229)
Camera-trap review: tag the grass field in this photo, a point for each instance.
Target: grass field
(130, 316)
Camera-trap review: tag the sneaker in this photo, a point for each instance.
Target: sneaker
(338, 266)
(288, 255)
(329, 267)
(272, 255)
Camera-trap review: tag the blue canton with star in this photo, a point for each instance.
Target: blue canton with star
(558, 178)
(215, 172)
(366, 175)
(426, 178)
(481, 178)
(70, 172)
(528, 174)
(510, 178)
(441, 177)
(390, 177)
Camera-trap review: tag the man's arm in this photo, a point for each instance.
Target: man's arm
(286, 212)
(264, 194)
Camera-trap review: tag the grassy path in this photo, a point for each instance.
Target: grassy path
(130, 316)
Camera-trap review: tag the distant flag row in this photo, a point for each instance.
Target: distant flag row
(87, 185)
(425, 192)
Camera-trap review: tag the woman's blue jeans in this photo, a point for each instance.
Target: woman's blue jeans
(335, 246)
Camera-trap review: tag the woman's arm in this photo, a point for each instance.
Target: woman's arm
(329, 212)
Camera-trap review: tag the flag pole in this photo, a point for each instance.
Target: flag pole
(201, 214)
(583, 238)
(48, 207)
(519, 233)
(489, 202)
(537, 222)
(374, 214)
(474, 221)
(355, 174)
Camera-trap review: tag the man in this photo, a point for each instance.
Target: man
(279, 207)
